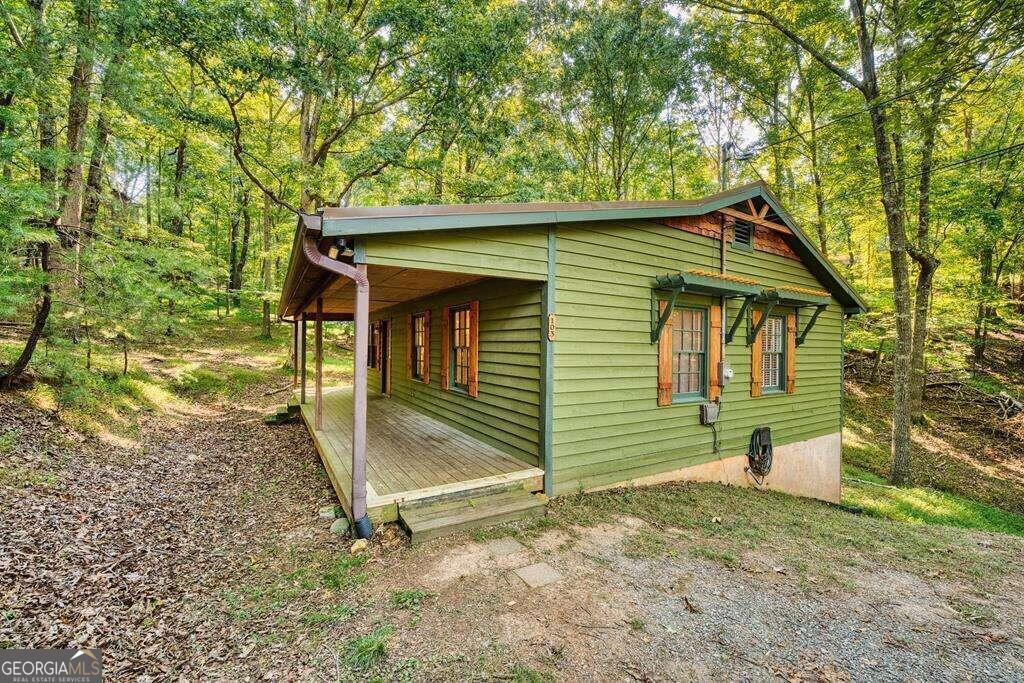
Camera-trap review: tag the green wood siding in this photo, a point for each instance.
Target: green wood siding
(506, 412)
(519, 253)
(607, 425)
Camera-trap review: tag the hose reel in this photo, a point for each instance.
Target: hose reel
(759, 457)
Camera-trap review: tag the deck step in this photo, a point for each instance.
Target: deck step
(425, 521)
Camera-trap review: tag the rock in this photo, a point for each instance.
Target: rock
(329, 512)
(340, 526)
(358, 546)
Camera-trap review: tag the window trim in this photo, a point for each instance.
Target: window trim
(700, 396)
(452, 365)
(780, 388)
(414, 366)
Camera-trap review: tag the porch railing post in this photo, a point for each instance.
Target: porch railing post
(295, 356)
(318, 331)
(362, 325)
(302, 361)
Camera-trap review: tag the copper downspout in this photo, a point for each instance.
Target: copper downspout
(356, 273)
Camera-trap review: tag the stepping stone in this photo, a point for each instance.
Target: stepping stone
(500, 547)
(537, 575)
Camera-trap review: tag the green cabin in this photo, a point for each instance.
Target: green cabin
(505, 350)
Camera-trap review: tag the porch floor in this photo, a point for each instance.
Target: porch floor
(409, 456)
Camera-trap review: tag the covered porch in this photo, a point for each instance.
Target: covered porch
(412, 458)
(430, 445)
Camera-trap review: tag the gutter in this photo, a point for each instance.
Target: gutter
(356, 273)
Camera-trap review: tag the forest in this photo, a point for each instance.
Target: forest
(162, 500)
(154, 155)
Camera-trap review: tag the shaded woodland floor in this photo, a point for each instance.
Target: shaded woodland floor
(187, 543)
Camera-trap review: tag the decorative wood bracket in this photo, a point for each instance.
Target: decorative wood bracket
(740, 317)
(659, 325)
(810, 323)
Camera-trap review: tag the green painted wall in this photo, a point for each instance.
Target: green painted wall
(519, 253)
(505, 414)
(607, 427)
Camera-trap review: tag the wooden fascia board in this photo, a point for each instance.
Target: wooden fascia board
(379, 225)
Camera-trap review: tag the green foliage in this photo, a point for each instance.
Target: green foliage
(920, 505)
(410, 598)
(367, 650)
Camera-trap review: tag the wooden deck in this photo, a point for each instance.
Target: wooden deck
(410, 457)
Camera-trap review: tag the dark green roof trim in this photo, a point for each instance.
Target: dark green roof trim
(787, 297)
(707, 285)
(348, 222)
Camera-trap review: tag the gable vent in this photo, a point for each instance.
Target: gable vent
(743, 234)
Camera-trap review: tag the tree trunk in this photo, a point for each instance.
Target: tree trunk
(177, 226)
(39, 46)
(265, 265)
(239, 249)
(95, 176)
(893, 204)
(927, 264)
(9, 375)
(819, 195)
(78, 115)
(986, 258)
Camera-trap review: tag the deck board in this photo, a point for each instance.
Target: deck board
(410, 456)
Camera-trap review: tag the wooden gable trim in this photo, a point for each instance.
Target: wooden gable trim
(756, 220)
(768, 236)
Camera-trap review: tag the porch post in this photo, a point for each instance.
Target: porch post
(318, 331)
(295, 355)
(362, 325)
(302, 362)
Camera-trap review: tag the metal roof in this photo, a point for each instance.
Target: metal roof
(367, 221)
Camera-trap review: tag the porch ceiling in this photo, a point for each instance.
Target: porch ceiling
(389, 285)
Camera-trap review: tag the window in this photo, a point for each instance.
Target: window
(773, 345)
(689, 352)
(743, 235)
(419, 357)
(460, 348)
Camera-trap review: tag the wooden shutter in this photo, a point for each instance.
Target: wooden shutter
(446, 347)
(409, 333)
(791, 353)
(755, 355)
(426, 346)
(665, 359)
(474, 347)
(714, 353)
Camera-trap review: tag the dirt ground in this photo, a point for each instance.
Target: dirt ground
(196, 552)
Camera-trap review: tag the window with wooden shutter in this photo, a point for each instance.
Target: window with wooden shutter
(473, 386)
(756, 356)
(773, 355)
(372, 357)
(665, 359)
(419, 346)
(791, 353)
(714, 353)
(688, 354)
(460, 348)
(445, 345)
